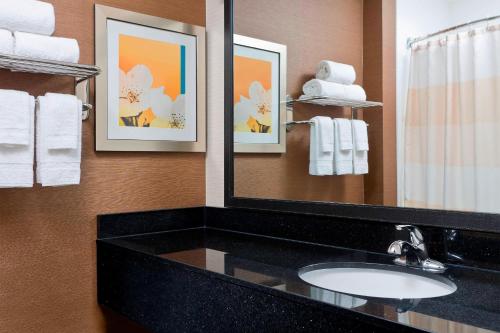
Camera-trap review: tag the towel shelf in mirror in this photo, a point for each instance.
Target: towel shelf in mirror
(327, 101)
(81, 73)
(330, 101)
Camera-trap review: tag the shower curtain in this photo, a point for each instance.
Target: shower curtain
(452, 123)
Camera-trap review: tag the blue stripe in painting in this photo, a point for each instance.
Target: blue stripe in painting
(183, 69)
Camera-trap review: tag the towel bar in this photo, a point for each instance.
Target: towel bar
(290, 124)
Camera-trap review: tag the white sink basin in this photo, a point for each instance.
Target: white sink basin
(375, 280)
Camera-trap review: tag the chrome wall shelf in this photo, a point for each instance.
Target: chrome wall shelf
(327, 101)
(81, 73)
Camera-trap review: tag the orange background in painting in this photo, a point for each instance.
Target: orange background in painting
(247, 70)
(163, 60)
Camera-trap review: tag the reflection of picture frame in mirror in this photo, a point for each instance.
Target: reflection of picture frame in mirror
(151, 94)
(259, 96)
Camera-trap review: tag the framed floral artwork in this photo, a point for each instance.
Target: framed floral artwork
(259, 96)
(150, 95)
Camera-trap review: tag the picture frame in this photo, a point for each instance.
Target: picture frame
(151, 94)
(259, 96)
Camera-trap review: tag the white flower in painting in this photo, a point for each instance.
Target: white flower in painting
(258, 106)
(135, 89)
(171, 113)
(137, 96)
(160, 103)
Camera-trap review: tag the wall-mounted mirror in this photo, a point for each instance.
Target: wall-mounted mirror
(369, 102)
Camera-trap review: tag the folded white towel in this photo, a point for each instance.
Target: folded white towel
(27, 16)
(317, 87)
(360, 154)
(15, 115)
(344, 133)
(55, 167)
(336, 72)
(45, 47)
(321, 147)
(360, 135)
(63, 121)
(355, 93)
(6, 42)
(16, 161)
(343, 157)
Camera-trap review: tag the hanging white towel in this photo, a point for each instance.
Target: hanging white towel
(45, 47)
(322, 88)
(6, 42)
(15, 116)
(344, 133)
(55, 167)
(335, 72)
(27, 15)
(16, 161)
(63, 121)
(355, 93)
(321, 147)
(343, 157)
(360, 153)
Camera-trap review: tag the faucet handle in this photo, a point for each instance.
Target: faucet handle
(415, 233)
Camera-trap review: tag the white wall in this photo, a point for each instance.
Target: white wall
(469, 10)
(416, 18)
(214, 172)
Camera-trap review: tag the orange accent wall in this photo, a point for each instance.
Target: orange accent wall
(47, 235)
(380, 85)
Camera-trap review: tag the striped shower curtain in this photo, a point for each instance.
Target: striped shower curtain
(452, 123)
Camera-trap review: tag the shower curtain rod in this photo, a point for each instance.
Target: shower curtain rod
(412, 41)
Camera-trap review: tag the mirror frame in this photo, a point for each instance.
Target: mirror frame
(485, 222)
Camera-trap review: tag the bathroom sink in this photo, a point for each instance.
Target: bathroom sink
(375, 280)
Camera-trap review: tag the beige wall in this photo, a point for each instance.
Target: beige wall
(47, 236)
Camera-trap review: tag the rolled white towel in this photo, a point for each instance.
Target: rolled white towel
(322, 88)
(47, 48)
(355, 92)
(6, 42)
(27, 16)
(335, 72)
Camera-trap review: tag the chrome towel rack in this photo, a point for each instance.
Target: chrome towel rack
(81, 73)
(327, 101)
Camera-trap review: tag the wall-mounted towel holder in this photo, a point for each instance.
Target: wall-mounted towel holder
(81, 73)
(326, 101)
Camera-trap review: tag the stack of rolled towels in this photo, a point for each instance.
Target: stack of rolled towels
(26, 28)
(334, 80)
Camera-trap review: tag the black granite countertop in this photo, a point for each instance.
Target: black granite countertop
(272, 264)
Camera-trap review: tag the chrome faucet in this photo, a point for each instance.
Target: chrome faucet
(414, 253)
